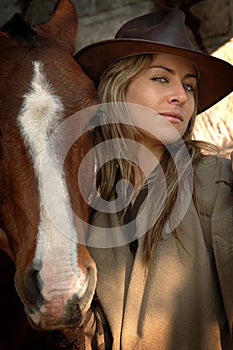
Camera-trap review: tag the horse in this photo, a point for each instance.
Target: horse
(41, 86)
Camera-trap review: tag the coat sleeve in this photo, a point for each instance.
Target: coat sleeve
(222, 234)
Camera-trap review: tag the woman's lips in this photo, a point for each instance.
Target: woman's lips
(172, 117)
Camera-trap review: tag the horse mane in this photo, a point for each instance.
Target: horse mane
(19, 30)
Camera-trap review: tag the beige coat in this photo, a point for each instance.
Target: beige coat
(186, 302)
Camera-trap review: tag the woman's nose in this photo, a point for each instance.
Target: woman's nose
(178, 95)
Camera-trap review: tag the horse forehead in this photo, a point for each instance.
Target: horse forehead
(41, 112)
(66, 74)
(74, 87)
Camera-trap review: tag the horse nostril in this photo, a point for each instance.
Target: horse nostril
(73, 314)
(33, 287)
(91, 268)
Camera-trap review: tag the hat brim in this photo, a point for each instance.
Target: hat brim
(216, 75)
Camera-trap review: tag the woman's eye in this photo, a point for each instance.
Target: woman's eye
(160, 79)
(189, 87)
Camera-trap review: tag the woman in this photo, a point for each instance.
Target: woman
(169, 284)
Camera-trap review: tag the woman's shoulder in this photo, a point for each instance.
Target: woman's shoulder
(212, 168)
(213, 178)
(213, 164)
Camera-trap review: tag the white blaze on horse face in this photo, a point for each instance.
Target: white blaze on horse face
(41, 113)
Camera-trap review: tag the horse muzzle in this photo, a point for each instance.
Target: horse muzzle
(59, 302)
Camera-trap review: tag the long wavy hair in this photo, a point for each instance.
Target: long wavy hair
(112, 88)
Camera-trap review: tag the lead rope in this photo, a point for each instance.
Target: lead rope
(90, 335)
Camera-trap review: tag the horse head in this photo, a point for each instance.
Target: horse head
(41, 86)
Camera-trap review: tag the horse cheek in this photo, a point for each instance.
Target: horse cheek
(5, 245)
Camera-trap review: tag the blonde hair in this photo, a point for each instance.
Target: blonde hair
(112, 88)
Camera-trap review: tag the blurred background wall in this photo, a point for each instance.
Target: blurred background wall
(209, 23)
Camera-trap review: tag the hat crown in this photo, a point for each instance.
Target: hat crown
(165, 26)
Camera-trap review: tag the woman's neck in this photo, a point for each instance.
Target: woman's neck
(149, 155)
(148, 159)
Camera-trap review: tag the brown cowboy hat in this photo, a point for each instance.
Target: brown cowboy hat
(163, 31)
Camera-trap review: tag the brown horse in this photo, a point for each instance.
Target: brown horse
(40, 85)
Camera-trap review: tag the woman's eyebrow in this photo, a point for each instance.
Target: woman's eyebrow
(169, 70)
(163, 67)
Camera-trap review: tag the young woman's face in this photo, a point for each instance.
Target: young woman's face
(168, 88)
